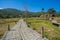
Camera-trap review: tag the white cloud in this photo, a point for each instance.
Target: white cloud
(1, 8)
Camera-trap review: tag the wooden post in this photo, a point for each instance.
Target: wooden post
(42, 32)
(15, 22)
(8, 27)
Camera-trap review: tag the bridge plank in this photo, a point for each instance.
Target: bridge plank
(21, 32)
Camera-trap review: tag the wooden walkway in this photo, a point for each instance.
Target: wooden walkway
(21, 32)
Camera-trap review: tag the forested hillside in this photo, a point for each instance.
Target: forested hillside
(9, 12)
(13, 13)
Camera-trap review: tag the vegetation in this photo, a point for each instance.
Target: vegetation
(14, 13)
(4, 24)
(51, 31)
(10, 16)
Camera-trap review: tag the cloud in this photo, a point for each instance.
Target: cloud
(1, 8)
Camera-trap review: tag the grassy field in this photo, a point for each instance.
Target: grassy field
(4, 24)
(51, 31)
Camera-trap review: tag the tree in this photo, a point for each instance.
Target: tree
(52, 11)
(43, 13)
(42, 9)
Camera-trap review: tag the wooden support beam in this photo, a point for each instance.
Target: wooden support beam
(8, 27)
(42, 32)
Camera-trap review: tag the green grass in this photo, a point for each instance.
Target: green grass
(4, 24)
(51, 31)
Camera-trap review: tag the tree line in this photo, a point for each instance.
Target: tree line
(14, 13)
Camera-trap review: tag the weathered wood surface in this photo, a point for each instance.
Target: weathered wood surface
(21, 32)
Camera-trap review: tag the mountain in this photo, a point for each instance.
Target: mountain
(10, 12)
(13, 13)
(58, 14)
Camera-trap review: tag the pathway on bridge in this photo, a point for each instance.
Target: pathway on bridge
(21, 32)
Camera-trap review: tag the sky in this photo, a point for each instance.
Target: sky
(31, 5)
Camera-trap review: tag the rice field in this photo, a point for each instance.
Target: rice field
(51, 31)
(4, 24)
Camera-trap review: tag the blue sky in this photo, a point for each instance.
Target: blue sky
(32, 5)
